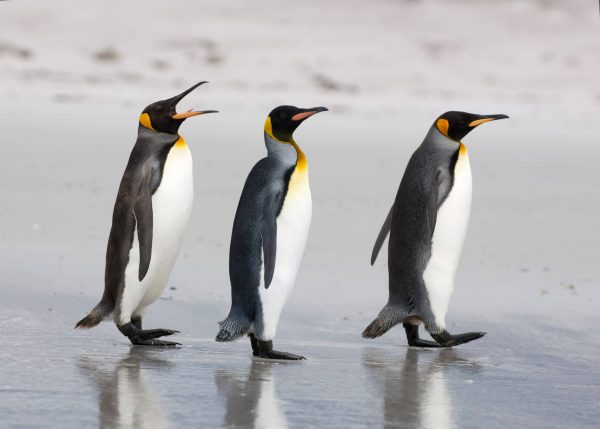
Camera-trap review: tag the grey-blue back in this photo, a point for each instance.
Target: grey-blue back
(425, 185)
(269, 177)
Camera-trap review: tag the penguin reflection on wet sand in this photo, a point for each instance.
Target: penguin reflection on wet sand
(152, 210)
(126, 399)
(269, 235)
(415, 392)
(252, 398)
(427, 226)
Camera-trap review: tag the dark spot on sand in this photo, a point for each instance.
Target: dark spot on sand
(106, 55)
(329, 84)
(159, 64)
(68, 98)
(15, 51)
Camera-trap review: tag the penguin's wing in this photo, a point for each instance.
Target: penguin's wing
(269, 234)
(433, 200)
(385, 230)
(142, 211)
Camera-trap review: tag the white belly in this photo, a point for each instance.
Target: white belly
(448, 238)
(293, 224)
(171, 208)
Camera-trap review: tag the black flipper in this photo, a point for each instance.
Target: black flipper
(385, 230)
(269, 236)
(432, 204)
(144, 222)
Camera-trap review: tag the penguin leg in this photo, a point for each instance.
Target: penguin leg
(412, 334)
(146, 337)
(265, 350)
(137, 322)
(254, 344)
(445, 339)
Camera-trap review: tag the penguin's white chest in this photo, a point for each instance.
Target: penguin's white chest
(293, 224)
(171, 209)
(448, 238)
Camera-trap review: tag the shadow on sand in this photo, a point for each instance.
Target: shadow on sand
(125, 398)
(415, 395)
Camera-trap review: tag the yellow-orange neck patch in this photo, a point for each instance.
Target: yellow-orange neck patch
(462, 150)
(145, 121)
(180, 143)
(301, 161)
(442, 126)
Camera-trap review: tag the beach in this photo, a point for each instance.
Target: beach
(74, 81)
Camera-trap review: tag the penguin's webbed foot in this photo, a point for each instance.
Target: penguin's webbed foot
(146, 337)
(160, 343)
(445, 339)
(274, 354)
(412, 335)
(150, 334)
(418, 342)
(265, 350)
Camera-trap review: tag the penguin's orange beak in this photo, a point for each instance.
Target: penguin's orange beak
(192, 112)
(487, 119)
(303, 115)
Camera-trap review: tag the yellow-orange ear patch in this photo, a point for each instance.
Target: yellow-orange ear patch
(443, 125)
(269, 127)
(145, 121)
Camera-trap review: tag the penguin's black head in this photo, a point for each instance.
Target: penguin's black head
(456, 125)
(283, 121)
(162, 116)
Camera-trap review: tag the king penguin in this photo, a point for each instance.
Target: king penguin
(427, 226)
(152, 210)
(269, 235)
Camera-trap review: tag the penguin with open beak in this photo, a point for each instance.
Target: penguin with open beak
(152, 210)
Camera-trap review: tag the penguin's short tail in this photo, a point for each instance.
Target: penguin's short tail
(232, 328)
(97, 315)
(388, 317)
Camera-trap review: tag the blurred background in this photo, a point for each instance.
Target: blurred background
(76, 75)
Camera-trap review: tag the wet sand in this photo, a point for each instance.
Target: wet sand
(524, 373)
